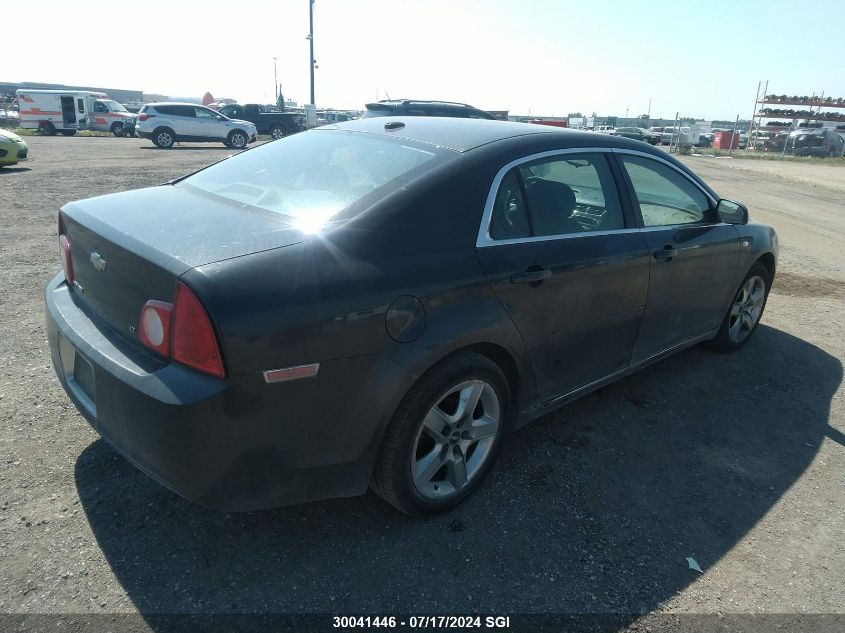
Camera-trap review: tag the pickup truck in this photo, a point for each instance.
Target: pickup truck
(275, 123)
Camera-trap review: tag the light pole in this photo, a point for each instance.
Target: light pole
(275, 79)
(648, 116)
(311, 45)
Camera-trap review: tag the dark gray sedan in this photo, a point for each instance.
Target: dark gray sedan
(374, 304)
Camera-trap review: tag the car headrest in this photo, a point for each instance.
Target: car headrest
(552, 204)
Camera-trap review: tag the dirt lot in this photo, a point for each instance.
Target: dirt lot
(737, 461)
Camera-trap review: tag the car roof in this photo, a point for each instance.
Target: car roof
(462, 135)
(394, 103)
(175, 103)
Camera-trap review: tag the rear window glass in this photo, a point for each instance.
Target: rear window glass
(318, 177)
(376, 112)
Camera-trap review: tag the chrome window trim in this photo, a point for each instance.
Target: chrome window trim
(484, 239)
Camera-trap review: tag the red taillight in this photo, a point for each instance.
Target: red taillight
(144, 117)
(64, 243)
(154, 326)
(182, 331)
(193, 340)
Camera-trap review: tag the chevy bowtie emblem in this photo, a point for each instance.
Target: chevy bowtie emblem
(97, 261)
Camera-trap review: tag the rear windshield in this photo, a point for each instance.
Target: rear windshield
(317, 177)
(369, 113)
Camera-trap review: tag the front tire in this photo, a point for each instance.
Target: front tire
(444, 435)
(164, 138)
(745, 311)
(68, 132)
(237, 139)
(117, 129)
(277, 132)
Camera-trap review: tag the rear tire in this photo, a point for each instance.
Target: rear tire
(277, 132)
(117, 129)
(745, 311)
(164, 138)
(444, 436)
(68, 132)
(45, 128)
(237, 139)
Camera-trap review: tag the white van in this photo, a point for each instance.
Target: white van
(66, 111)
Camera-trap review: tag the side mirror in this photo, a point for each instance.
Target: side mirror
(220, 117)
(731, 212)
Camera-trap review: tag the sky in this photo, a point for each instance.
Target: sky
(542, 57)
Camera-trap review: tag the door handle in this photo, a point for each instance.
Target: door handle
(666, 253)
(535, 275)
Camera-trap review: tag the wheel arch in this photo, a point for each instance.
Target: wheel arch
(768, 261)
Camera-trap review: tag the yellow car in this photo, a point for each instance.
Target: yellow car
(13, 149)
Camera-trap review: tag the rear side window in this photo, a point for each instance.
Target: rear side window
(665, 196)
(317, 177)
(174, 110)
(563, 195)
(80, 105)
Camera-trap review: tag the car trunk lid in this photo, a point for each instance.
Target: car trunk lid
(131, 247)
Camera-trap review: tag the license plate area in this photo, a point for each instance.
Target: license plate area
(79, 374)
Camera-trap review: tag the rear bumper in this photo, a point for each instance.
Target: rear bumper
(235, 444)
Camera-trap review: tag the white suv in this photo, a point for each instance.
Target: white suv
(166, 123)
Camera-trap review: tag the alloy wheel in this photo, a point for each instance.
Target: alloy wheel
(747, 308)
(455, 439)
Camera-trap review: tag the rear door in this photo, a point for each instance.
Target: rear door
(182, 119)
(558, 246)
(694, 257)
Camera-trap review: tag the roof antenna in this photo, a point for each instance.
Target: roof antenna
(388, 95)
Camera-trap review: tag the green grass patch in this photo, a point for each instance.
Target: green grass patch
(28, 132)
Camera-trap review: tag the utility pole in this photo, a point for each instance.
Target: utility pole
(733, 136)
(275, 79)
(311, 43)
(648, 116)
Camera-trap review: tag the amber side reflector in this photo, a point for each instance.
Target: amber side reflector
(291, 373)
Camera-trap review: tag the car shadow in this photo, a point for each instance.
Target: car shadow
(187, 148)
(592, 509)
(12, 170)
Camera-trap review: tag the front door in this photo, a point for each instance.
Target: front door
(562, 258)
(694, 257)
(207, 124)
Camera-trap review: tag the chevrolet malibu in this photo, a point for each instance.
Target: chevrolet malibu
(377, 303)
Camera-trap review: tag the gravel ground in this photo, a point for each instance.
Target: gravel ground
(737, 461)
